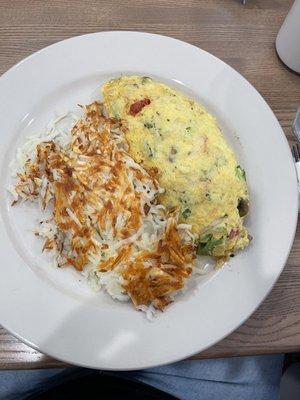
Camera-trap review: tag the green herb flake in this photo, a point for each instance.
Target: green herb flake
(240, 172)
(186, 213)
(145, 79)
(149, 125)
(183, 201)
(188, 129)
(150, 151)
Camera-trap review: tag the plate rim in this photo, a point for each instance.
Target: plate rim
(278, 273)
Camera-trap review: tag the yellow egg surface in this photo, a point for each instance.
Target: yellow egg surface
(196, 167)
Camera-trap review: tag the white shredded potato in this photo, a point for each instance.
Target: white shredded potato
(105, 219)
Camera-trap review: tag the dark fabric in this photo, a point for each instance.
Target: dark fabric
(100, 386)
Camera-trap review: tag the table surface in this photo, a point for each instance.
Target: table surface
(242, 36)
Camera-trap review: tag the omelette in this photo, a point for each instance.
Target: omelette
(176, 137)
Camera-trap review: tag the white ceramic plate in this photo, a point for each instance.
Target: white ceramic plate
(53, 310)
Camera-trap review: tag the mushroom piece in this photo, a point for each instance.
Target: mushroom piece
(243, 207)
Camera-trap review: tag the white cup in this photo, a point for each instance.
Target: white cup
(288, 39)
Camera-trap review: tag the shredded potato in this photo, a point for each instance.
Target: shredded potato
(105, 217)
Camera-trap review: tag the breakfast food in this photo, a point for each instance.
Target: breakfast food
(134, 189)
(104, 219)
(202, 178)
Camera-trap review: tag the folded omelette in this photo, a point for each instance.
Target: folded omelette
(177, 137)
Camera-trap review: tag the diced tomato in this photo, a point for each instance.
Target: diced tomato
(136, 107)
